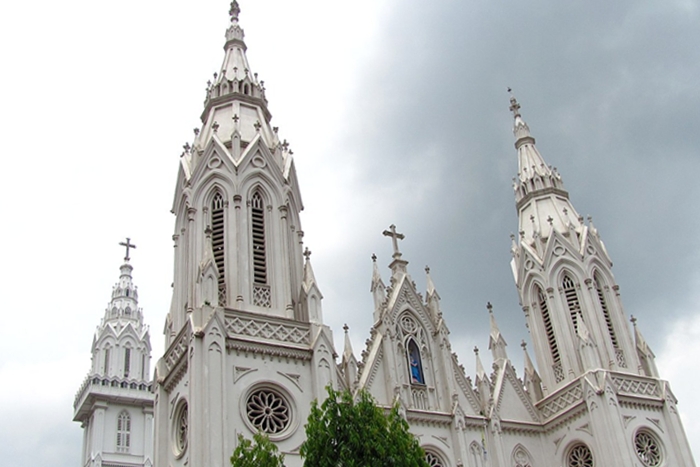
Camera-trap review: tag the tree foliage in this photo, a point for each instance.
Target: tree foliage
(261, 452)
(354, 432)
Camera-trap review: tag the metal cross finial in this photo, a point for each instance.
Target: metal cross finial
(234, 11)
(128, 245)
(523, 344)
(514, 106)
(476, 350)
(427, 269)
(395, 237)
(307, 253)
(345, 328)
(374, 258)
(235, 118)
(489, 307)
(633, 320)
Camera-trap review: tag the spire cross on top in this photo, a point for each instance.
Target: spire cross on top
(514, 106)
(234, 11)
(395, 237)
(523, 344)
(128, 245)
(307, 253)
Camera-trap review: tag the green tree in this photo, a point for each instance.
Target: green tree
(261, 452)
(354, 432)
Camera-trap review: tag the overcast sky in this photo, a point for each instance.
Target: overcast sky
(397, 112)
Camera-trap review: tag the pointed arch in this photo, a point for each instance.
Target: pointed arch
(476, 451)
(218, 241)
(262, 295)
(521, 457)
(600, 287)
(106, 361)
(572, 299)
(415, 362)
(543, 307)
(123, 432)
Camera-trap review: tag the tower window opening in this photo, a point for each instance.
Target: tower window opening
(123, 432)
(106, 362)
(606, 312)
(572, 301)
(217, 223)
(548, 327)
(258, 231)
(127, 361)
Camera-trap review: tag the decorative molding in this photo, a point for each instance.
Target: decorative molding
(294, 378)
(626, 419)
(239, 372)
(561, 401)
(269, 350)
(267, 329)
(636, 386)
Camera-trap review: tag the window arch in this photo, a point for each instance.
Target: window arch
(572, 301)
(521, 457)
(123, 432)
(433, 459)
(127, 362)
(261, 287)
(602, 301)
(218, 243)
(477, 452)
(549, 332)
(579, 455)
(415, 363)
(106, 361)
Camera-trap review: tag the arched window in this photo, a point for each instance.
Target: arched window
(572, 301)
(127, 362)
(606, 312)
(123, 432)
(579, 456)
(261, 289)
(433, 459)
(106, 362)
(477, 452)
(415, 364)
(218, 243)
(549, 332)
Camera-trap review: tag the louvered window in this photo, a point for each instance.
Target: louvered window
(106, 370)
(261, 288)
(123, 432)
(548, 327)
(217, 240)
(127, 362)
(572, 301)
(259, 257)
(606, 312)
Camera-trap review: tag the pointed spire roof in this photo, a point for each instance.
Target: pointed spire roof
(309, 277)
(347, 351)
(497, 344)
(538, 181)
(376, 275)
(430, 287)
(480, 373)
(124, 304)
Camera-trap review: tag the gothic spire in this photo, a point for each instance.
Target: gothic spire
(497, 344)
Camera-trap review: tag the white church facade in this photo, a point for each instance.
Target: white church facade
(247, 349)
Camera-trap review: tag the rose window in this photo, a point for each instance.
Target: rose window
(433, 460)
(647, 449)
(268, 411)
(181, 428)
(580, 456)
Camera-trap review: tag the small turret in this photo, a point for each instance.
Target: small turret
(497, 344)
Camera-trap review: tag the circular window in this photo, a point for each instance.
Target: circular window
(268, 411)
(580, 456)
(407, 324)
(433, 460)
(647, 448)
(180, 429)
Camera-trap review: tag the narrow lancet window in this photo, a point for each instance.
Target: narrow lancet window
(414, 363)
(106, 366)
(606, 311)
(261, 288)
(123, 432)
(572, 301)
(549, 332)
(217, 240)
(127, 362)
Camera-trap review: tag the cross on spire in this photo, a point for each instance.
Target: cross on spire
(128, 245)
(514, 106)
(307, 253)
(234, 11)
(395, 237)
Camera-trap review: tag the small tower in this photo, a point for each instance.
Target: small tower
(564, 275)
(115, 403)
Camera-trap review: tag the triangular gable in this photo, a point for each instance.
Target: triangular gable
(465, 385)
(511, 402)
(593, 246)
(371, 364)
(558, 246)
(216, 157)
(257, 156)
(405, 294)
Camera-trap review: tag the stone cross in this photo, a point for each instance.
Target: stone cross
(307, 253)
(395, 237)
(128, 245)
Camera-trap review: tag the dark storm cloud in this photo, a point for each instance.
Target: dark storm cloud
(608, 89)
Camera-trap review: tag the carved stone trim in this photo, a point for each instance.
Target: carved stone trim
(269, 350)
(271, 329)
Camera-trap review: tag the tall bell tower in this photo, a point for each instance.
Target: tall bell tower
(247, 350)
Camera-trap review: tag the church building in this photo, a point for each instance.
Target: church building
(247, 349)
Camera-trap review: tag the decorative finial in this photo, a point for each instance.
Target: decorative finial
(215, 126)
(523, 344)
(633, 320)
(346, 328)
(307, 253)
(234, 11)
(427, 269)
(235, 118)
(476, 350)
(514, 106)
(395, 237)
(196, 131)
(208, 231)
(257, 125)
(550, 220)
(127, 245)
(374, 258)
(489, 307)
